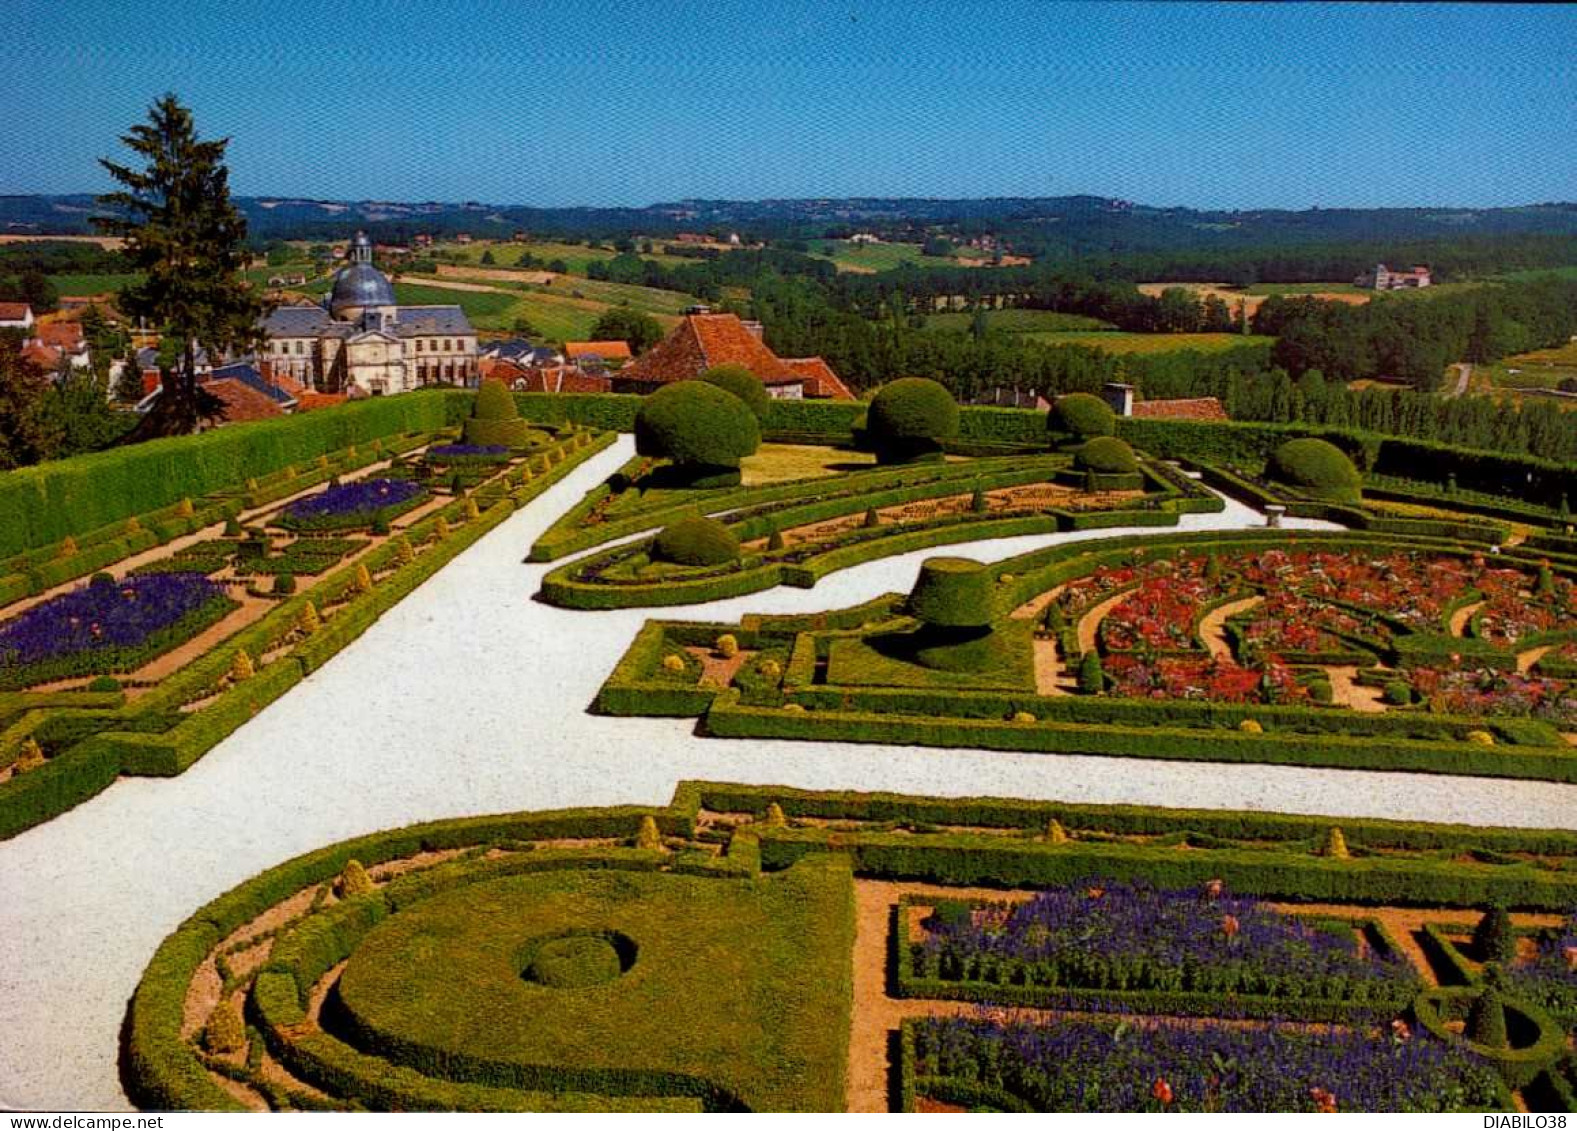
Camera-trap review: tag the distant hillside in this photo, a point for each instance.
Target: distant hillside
(1050, 226)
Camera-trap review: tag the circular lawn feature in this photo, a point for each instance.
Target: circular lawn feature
(1316, 468)
(577, 959)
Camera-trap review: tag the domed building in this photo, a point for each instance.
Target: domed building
(361, 342)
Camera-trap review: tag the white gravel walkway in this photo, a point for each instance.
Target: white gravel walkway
(469, 697)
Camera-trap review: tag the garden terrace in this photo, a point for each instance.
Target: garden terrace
(1394, 663)
(143, 674)
(800, 539)
(732, 897)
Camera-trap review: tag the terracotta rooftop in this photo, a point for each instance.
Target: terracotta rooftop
(820, 380)
(46, 357)
(608, 351)
(306, 402)
(702, 341)
(564, 379)
(242, 402)
(13, 311)
(1187, 408)
(65, 335)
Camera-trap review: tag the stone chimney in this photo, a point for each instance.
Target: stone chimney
(753, 326)
(1119, 396)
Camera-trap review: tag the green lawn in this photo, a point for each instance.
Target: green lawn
(743, 985)
(875, 257)
(1120, 342)
(91, 284)
(506, 253)
(1542, 369)
(1013, 321)
(1305, 289)
(783, 463)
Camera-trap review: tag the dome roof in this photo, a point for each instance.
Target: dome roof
(360, 285)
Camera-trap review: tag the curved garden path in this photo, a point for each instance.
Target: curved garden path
(470, 697)
(1212, 626)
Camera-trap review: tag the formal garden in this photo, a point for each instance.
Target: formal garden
(838, 950)
(1047, 957)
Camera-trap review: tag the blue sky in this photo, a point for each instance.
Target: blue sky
(613, 103)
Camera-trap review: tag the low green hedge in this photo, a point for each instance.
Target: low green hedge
(1517, 1066)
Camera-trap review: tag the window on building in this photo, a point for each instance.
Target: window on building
(418, 345)
(447, 346)
(300, 348)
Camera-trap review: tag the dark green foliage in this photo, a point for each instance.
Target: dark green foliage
(103, 683)
(978, 503)
(1494, 938)
(1317, 468)
(696, 541)
(232, 527)
(743, 384)
(1398, 693)
(871, 520)
(909, 419)
(574, 961)
(953, 593)
(622, 324)
(1486, 1020)
(495, 419)
(1082, 415)
(380, 523)
(1092, 681)
(1106, 455)
(284, 584)
(775, 540)
(700, 427)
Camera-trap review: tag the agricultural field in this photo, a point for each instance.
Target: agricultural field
(1016, 321)
(1124, 342)
(91, 284)
(861, 258)
(1540, 369)
(576, 256)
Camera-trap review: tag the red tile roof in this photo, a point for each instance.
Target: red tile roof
(47, 357)
(306, 402)
(13, 311)
(701, 342)
(608, 351)
(820, 380)
(65, 335)
(500, 369)
(242, 402)
(561, 379)
(1187, 408)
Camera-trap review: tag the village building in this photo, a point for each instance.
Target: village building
(1382, 278)
(361, 342)
(704, 340)
(597, 355)
(1121, 398)
(16, 316)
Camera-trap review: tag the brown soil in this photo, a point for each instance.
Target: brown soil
(392, 868)
(1090, 622)
(717, 668)
(1347, 692)
(1050, 678)
(1213, 624)
(1036, 605)
(1526, 660)
(1457, 625)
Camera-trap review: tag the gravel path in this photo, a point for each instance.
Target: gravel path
(469, 697)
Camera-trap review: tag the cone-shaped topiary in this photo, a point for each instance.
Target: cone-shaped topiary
(232, 528)
(471, 509)
(30, 757)
(1082, 415)
(1055, 833)
(1316, 468)
(184, 509)
(225, 1033)
(1106, 455)
(404, 552)
(441, 526)
(774, 818)
(977, 502)
(241, 666)
(775, 542)
(872, 519)
(1486, 1020)
(1494, 938)
(494, 418)
(727, 646)
(703, 429)
(380, 523)
(647, 837)
(353, 880)
(909, 419)
(363, 581)
(284, 584)
(696, 541)
(1335, 845)
(68, 546)
(953, 593)
(1092, 680)
(133, 525)
(743, 384)
(309, 621)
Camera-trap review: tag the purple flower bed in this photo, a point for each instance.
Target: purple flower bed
(107, 626)
(1116, 936)
(353, 504)
(1550, 977)
(450, 453)
(1077, 1065)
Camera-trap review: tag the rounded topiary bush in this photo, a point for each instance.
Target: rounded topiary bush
(1317, 468)
(743, 384)
(494, 418)
(908, 420)
(1083, 415)
(696, 542)
(703, 429)
(953, 593)
(1106, 455)
(575, 961)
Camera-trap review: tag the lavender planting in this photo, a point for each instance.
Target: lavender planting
(1550, 977)
(1111, 1066)
(1118, 936)
(353, 504)
(107, 626)
(455, 453)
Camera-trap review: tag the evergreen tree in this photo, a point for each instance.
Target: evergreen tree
(188, 240)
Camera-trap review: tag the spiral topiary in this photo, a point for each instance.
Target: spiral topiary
(495, 419)
(909, 419)
(702, 429)
(743, 384)
(1083, 415)
(1106, 455)
(1316, 468)
(696, 541)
